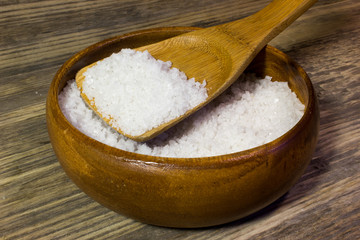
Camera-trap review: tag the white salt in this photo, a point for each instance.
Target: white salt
(138, 92)
(250, 113)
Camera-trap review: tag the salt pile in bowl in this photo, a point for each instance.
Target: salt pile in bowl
(250, 113)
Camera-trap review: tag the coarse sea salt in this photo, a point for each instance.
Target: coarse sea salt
(250, 113)
(138, 92)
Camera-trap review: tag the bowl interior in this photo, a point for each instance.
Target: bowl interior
(269, 61)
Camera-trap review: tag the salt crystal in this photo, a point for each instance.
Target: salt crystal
(243, 117)
(139, 92)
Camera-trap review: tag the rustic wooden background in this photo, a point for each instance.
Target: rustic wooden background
(38, 201)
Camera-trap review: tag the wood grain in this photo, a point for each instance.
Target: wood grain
(38, 201)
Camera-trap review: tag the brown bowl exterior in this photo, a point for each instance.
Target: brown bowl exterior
(184, 192)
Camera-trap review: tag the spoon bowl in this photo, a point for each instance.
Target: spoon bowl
(217, 54)
(184, 192)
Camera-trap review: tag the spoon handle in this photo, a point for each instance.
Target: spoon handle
(259, 28)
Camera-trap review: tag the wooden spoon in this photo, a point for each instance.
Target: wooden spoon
(217, 54)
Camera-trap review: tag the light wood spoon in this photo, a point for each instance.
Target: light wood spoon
(217, 54)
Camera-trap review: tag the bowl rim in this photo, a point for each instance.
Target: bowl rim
(217, 161)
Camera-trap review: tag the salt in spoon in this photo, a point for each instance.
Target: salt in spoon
(218, 54)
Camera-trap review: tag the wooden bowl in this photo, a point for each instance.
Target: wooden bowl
(184, 192)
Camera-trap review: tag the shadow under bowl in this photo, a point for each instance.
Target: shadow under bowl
(184, 192)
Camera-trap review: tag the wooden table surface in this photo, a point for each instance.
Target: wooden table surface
(38, 201)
